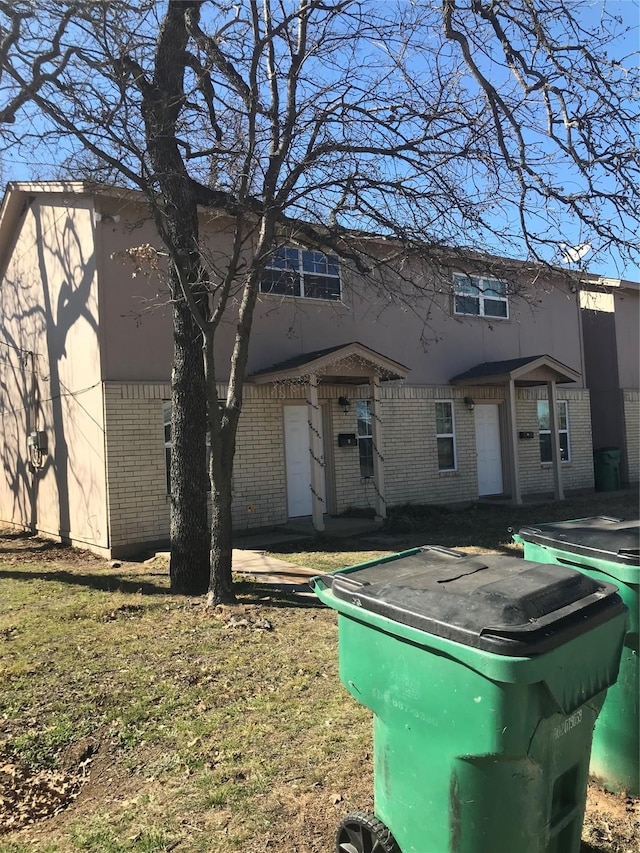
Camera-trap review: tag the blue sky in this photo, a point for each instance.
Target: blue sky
(39, 165)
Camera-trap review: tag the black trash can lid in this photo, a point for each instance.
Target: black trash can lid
(504, 605)
(598, 537)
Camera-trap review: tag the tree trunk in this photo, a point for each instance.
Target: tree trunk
(221, 583)
(189, 568)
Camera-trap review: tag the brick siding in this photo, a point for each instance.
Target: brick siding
(577, 474)
(136, 477)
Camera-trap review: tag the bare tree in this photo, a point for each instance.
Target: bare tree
(450, 127)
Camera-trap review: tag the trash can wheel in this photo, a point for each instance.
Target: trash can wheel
(364, 833)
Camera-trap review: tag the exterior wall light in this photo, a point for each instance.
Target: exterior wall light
(345, 404)
(470, 403)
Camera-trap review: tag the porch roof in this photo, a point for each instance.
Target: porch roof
(529, 371)
(351, 363)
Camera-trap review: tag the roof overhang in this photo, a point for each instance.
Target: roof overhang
(529, 371)
(351, 363)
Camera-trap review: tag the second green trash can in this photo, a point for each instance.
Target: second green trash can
(485, 676)
(606, 469)
(608, 550)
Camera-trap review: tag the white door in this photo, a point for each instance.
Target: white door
(298, 461)
(488, 449)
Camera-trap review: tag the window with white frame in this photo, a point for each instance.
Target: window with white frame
(445, 436)
(480, 297)
(166, 417)
(301, 272)
(544, 429)
(365, 438)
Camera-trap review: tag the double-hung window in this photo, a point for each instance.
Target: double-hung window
(166, 416)
(445, 436)
(544, 429)
(365, 438)
(480, 297)
(301, 272)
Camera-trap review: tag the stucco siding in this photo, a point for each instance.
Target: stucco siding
(51, 374)
(410, 318)
(627, 318)
(429, 339)
(631, 403)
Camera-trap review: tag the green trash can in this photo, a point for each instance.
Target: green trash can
(485, 676)
(605, 549)
(606, 469)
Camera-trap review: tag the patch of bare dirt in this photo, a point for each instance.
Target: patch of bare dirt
(95, 781)
(20, 544)
(612, 822)
(28, 796)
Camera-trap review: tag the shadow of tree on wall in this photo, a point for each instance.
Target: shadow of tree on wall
(46, 290)
(17, 401)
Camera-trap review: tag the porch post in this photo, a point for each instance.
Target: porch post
(315, 450)
(516, 490)
(378, 453)
(556, 456)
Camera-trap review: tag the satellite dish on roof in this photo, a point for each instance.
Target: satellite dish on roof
(573, 254)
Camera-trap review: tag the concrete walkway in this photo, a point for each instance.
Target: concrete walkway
(251, 558)
(268, 570)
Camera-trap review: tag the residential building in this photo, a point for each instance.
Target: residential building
(362, 394)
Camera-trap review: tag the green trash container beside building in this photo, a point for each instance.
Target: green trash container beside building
(606, 469)
(485, 676)
(605, 549)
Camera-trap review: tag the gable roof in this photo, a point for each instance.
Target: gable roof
(351, 363)
(450, 256)
(528, 371)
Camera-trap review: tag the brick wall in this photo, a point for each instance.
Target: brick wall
(631, 404)
(537, 477)
(410, 453)
(136, 477)
(259, 479)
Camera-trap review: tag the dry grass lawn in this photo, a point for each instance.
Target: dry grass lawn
(135, 720)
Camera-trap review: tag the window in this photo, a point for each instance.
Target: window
(166, 416)
(365, 438)
(545, 431)
(482, 297)
(299, 272)
(445, 437)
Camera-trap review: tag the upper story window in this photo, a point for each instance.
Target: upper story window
(481, 297)
(301, 272)
(544, 431)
